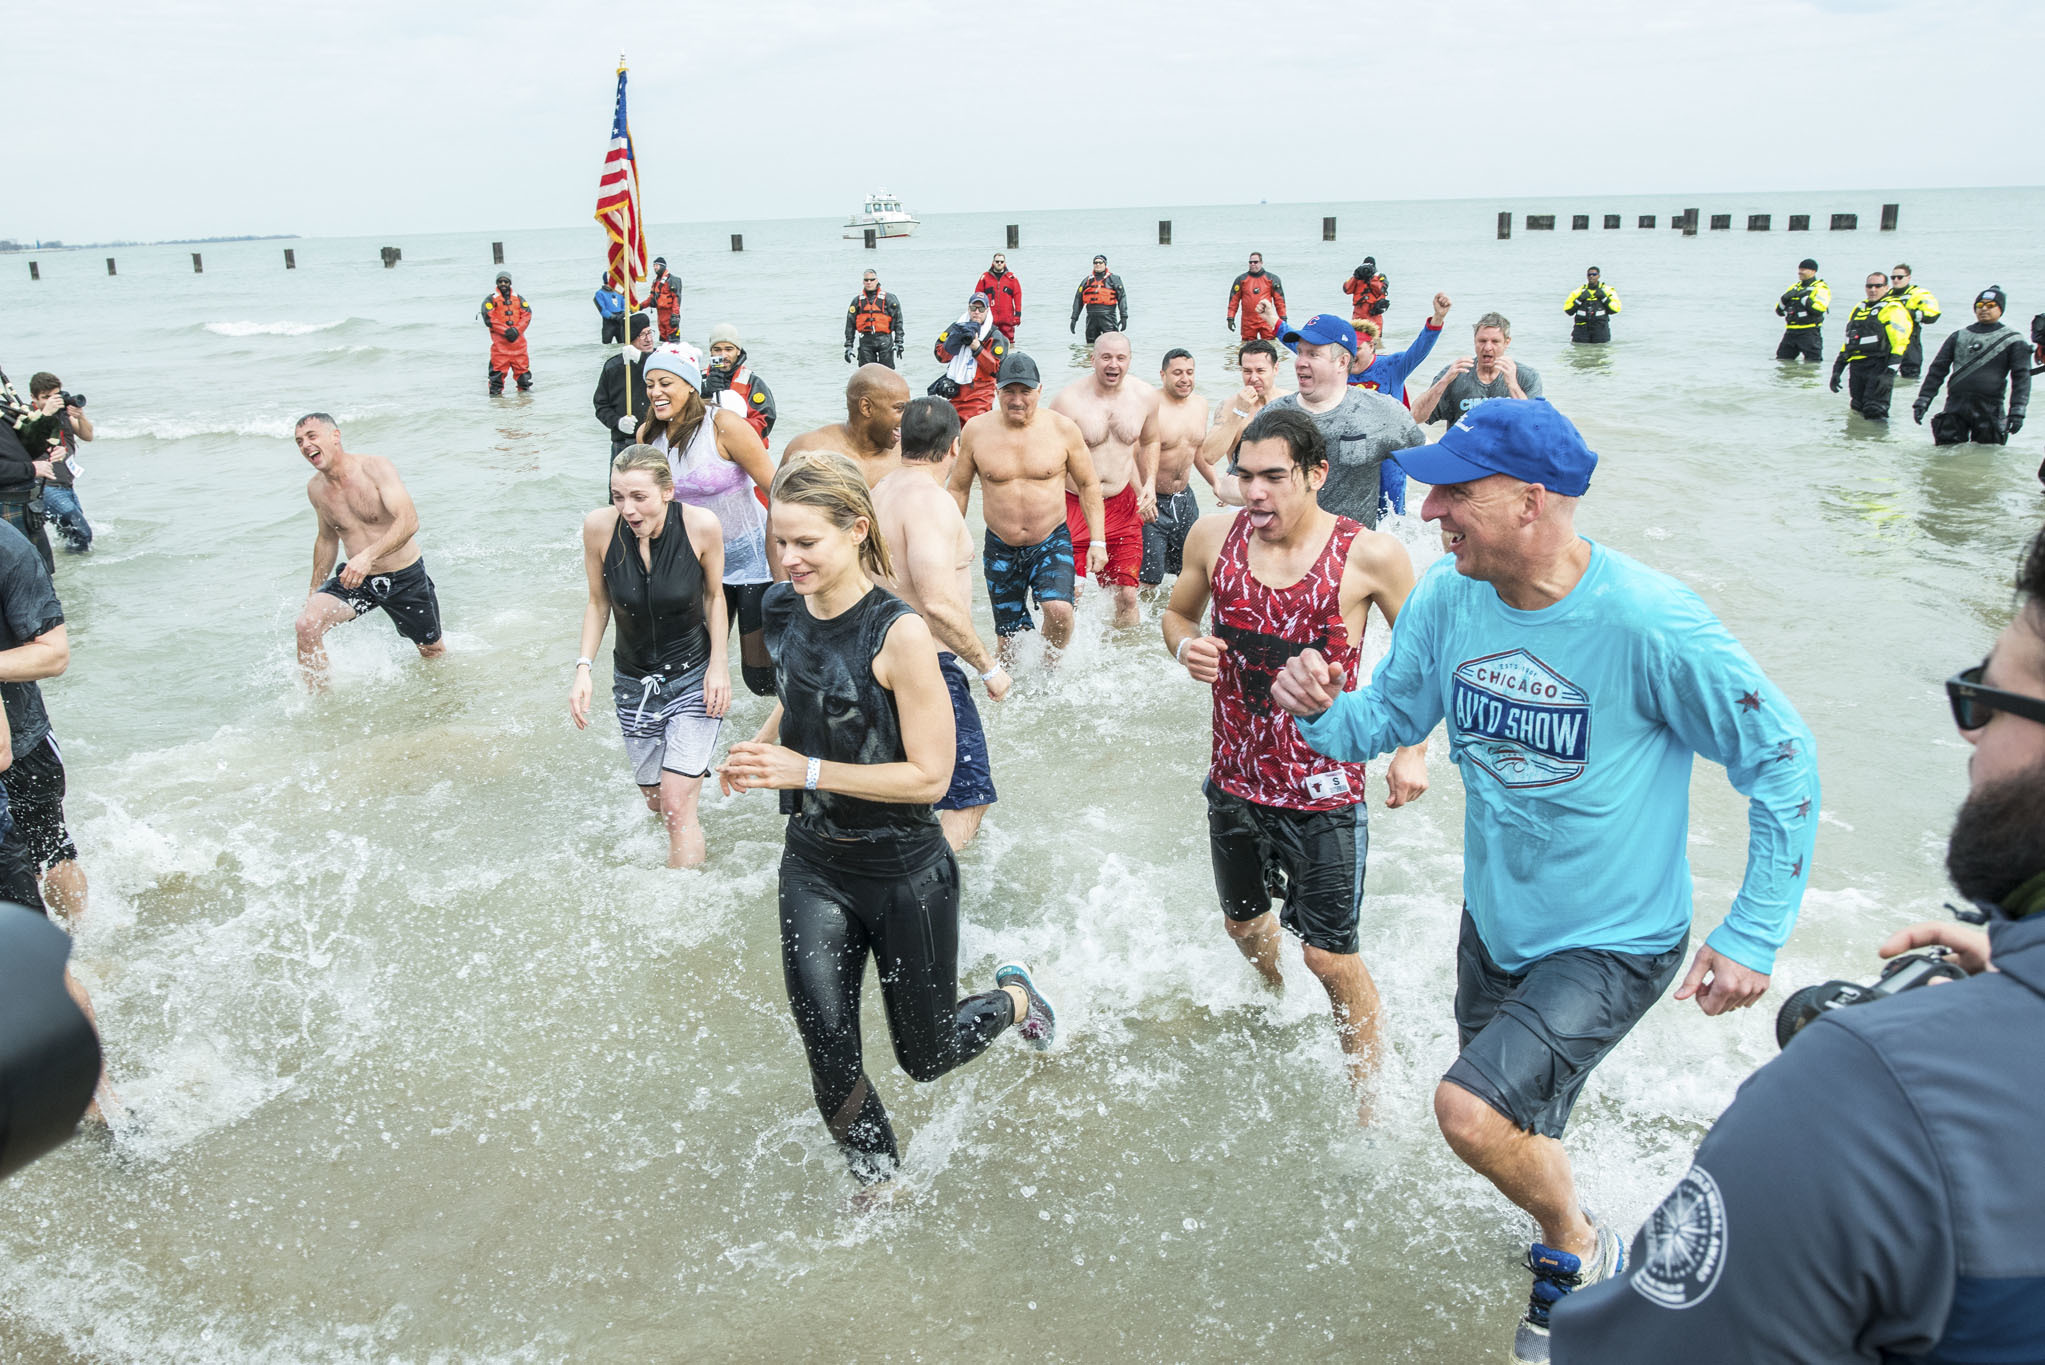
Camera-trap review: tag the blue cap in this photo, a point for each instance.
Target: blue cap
(1525, 438)
(1322, 329)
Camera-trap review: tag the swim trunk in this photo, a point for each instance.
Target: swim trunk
(1311, 859)
(1164, 540)
(972, 780)
(665, 726)
(1529, 1040)
(744, 602)
(406, 596)
(17, 873)
(1124, 528)
(35, 794)
(1018, 573)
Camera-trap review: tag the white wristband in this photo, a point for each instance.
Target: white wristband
(991, 674)
(1239, 412)
(586, 663)
(1180, 653)
(816, 768)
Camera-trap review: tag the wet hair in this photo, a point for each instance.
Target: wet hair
(642, 459)
(929, 426)
(1301, 434)
(833, 485)
(1903, 267)
(682, 427)
(1493, 320)
(1366, 328)
(42, 382)
(1176, 353)
(2031, 584)
(314, 417)
(1261, 346)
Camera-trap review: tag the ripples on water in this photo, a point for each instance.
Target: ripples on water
(435, 1062)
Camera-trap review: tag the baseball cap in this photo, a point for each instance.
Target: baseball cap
(1523, 437)
(676, 358)
(1993, 294)
(977, 298)
(1322, 329)
(1017, 368)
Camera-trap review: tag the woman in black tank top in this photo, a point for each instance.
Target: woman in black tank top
(658, 566)
(860, 745)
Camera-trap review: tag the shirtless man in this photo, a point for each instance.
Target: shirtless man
(1026, 458)
(1117, 416)
(871, 434)
(1261, 384)
(1181, 428)
(932, 552)
(363, 508)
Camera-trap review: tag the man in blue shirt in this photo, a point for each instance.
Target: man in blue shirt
(1577, 685)
(610, 306)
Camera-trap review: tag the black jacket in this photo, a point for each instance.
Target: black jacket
(609, 398)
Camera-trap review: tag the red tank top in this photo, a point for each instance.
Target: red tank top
(1258, 754)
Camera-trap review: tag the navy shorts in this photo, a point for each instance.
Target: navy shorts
(1313, 859)
(406, 596)
(1529, 1040)
(1164, 540)
(1016, 573)
(35, 794)
(972, 779)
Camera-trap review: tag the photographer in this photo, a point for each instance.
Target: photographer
(1875, 1192)
(60, 498)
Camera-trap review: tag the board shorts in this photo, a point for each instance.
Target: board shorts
(972, 778)
(665, 726)
(35, 796)
(1529, 1040)
(17, 873)
(1123, 527)
(1018, 573)
(1312, 859)
(406, 596)
(1164, 540)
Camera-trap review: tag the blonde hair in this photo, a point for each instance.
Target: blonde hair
(681, 428)
(1366, 328)
(644, 459)
(833, 485)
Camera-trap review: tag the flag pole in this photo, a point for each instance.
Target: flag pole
(631, 304)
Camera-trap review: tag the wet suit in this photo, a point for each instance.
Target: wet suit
(1980, 357)
(862, 876)
(1106, 303)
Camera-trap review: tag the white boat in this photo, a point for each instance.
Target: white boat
(882, 215)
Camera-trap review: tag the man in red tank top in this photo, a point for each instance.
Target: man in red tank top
(1285, 575)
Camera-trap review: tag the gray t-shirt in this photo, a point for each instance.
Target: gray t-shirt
(1465, 392)
(28, 608)
(1361, 431)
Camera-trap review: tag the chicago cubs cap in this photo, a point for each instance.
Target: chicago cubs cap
(1017, 368)
(1322, 329)
(1525, 438)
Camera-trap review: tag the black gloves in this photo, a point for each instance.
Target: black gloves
(1231, 324)
(511, 334)
(901, 347)
(1074, 327)
(1379, 306)
(1918, 409)
(2014, 425)
(1838, 368)
(848, 355)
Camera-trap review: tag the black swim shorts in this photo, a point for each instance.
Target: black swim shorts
(1164, 540)
(407, 596)
(1312, 859)
(1529, 1040)
(743, 602)
(35, 793)
(1016, 573)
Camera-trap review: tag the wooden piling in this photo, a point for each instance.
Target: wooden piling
(497, 253)
(198, 267)
(1757, 222)
(738, 241)
(1889, 217)
(870, 239)
(1327, 229)
(1800, 222)
(1721, 222)
(1164, 232)
(1689, 222)
(1014, 236)
(1647, 220)
(1845, 222)
(1540, 222)
(33, 272)
(1504, 225)
(290, 259)
(110, 265)
(1611, 221)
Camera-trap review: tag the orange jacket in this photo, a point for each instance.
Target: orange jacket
(1250, 290)
(978, 396)
(1367, 297)
(500, 312)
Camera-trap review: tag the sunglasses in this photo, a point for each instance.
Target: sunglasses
(1974, 705)
(1899, 277)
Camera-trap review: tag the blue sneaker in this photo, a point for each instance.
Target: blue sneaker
(1040, 1026)
(1557, 1273)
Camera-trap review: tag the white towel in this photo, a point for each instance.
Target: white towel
(961, 369)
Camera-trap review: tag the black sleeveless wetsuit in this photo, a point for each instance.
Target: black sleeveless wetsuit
(860, 876)
(659, 611)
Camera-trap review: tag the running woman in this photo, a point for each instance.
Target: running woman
(657, 566)
(713, 456)
(860, 746)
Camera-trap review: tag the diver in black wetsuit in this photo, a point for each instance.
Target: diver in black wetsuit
(1974, 365)
(859, 747)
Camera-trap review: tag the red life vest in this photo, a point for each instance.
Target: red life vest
(870, 313)
(1096, 292)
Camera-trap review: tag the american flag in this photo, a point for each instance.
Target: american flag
(617, 205)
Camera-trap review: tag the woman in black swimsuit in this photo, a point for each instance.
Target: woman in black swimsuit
(859, 747)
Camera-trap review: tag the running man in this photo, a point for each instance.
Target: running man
(1117, 417)
(1286, 575)
(1027, 458)
(859, 746)
(1181, 427)
(1577, 685)
(365, 512)
(1258, 361)
(871, 434)
(931, 568)
(1487, 373)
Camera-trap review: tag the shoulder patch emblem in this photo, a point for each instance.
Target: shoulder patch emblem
(1685, 1244)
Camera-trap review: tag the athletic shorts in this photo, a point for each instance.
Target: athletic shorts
(1124, 528)
(35, 795)
(1164, 540)
(744, 603)
(17, 873)
(665, 726)
(1312, 859)
(1529, 1041)
(1018, 573)
(407, 596)
(972, 779)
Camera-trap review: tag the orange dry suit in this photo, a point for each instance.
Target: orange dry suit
(508, 314)
(667, 305)
(1250, 290)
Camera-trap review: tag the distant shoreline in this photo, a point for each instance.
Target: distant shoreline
(11, 246)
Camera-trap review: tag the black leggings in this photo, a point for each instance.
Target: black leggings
(829, 921)
(744, 601)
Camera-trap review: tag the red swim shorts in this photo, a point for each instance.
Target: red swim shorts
(1125, 537)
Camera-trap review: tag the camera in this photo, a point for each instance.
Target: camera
(1904, 974)
(74, 400)
(716, 378)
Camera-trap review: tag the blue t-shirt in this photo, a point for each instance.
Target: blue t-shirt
(1573, 727)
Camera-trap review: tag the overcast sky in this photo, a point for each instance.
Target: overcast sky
(131, 120)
